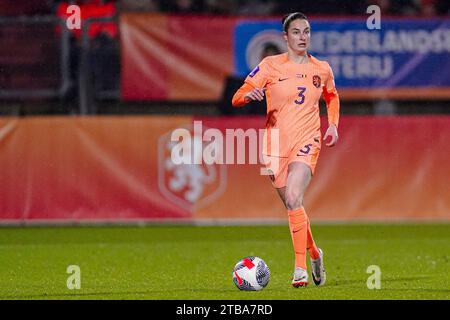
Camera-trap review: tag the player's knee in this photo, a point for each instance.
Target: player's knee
(294, 200)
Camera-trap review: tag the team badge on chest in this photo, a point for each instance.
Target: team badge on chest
(317, 81)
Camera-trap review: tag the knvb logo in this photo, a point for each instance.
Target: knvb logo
(192, 171)
(193, 184)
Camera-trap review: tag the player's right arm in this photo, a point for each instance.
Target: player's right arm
(246, 94)
(253, 87)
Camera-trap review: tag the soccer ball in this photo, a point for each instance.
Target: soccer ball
(251, 274)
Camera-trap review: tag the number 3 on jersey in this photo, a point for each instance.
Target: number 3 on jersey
(300, 95)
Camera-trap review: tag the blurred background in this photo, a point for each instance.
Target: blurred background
(86, 114)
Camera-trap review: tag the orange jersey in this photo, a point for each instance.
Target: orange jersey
(292, 93)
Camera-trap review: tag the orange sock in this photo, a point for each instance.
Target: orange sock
(311, 245)
(298, 225)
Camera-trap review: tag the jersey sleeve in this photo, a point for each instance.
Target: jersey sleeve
(331, 97)
(258, 78)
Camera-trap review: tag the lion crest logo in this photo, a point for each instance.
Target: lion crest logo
(189, 186)
(317, 81)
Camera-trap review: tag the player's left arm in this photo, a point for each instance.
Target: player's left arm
(331, 97)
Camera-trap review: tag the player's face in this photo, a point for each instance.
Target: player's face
(298, 36)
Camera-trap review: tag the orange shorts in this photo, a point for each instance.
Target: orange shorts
(306, 152)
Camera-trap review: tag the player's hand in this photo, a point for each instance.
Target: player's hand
(256, 94)
(331, 132)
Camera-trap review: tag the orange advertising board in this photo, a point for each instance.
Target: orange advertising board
(112, 168)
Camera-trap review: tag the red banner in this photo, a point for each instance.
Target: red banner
(176, 58)
(119, 168)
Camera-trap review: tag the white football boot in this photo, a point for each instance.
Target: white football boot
(300, 278)
(318, 270)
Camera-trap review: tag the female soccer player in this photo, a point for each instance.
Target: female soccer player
(293, 83)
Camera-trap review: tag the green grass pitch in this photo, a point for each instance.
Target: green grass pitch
(188, 262)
